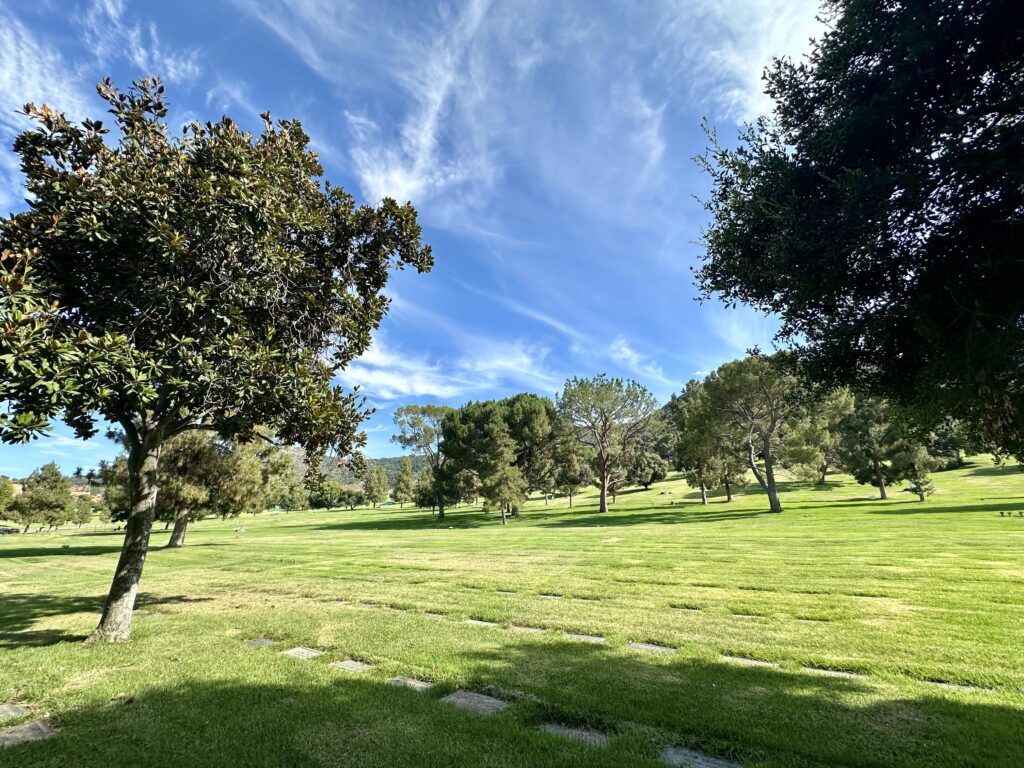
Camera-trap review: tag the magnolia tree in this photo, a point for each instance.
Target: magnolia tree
(163, 283)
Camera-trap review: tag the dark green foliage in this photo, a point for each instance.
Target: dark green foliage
(878, 448)
(646, 468)
(880, 212)
(478, 443)
(531, 419)
(404, 483)
(327, 494)
(424, 494)
(45, 500)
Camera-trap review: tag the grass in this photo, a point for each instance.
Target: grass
(902, 594)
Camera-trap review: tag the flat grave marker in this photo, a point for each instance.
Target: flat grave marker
(11, 711)
(262, 642)
(352, 665)
(526, 630)
(302, 652)
(652, 647)
(587, 736)
(411, 682)
(480, 623)
(477, 703)
(691, 758)
(583, 638)
(33, 730)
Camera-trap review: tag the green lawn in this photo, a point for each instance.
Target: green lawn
(901, 593)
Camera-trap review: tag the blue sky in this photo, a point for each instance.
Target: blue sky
(547, 147)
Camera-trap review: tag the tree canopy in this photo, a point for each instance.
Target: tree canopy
(879, 212)
(165, 283)
(610, 416)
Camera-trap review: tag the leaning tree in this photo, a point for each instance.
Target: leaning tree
(210, 280)
(879, 212)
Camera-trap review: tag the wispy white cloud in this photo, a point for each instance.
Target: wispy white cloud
(740, 329)
(718, 49)
(640, 365)
(30, 70)
(387, 373)
(112, 35)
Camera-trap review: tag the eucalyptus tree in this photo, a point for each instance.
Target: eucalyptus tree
(210, 280)
(879, 212)
(610, 417)
(419, 429)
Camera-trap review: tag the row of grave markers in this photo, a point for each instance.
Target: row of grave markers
(485, 706)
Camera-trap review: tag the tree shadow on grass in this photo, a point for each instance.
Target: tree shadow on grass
(68, 548)
(758, 715)
(561, 518)
(20, 611)
(303, 713)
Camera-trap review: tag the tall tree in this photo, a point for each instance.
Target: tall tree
(880, 211)
(405, 482)
(45, 499)
(478, 443)
(375, 485)
(610, 417)
(531, 420)
(698, 438)
(209, 280)
(419, 429)
(573, 461)
(6, 494)
(761, 405)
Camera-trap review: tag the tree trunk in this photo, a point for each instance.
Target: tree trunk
(880, 482)
(116, 623)
(570, 501)
(440, 510)
(823, 469)
(703, 494)
(604, 493)
(503, 521)
(920, 495)
(180, 524)
(769, 475)
(728, 491)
